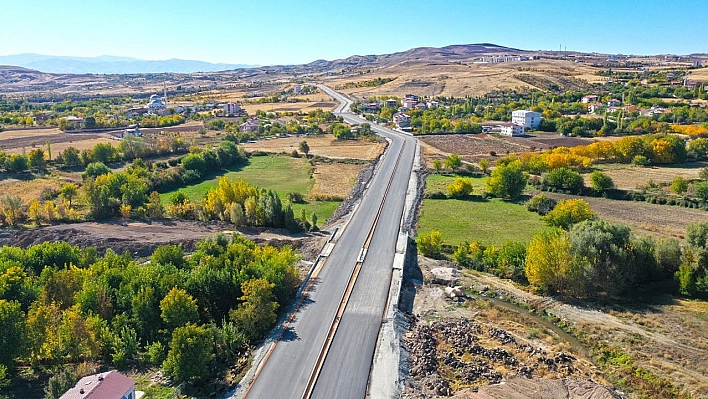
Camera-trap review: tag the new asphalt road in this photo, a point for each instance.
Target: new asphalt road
(296, 369)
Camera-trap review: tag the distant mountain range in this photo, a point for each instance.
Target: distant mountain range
(107, 64)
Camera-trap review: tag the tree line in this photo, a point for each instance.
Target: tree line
(61, 304)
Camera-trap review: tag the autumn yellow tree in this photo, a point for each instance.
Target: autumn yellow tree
(569, 212)
(550, 265)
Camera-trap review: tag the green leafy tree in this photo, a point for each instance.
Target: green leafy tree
(257, 312)
(11, 208)
(541, 204)
(679, 185)
(155, 210)
(437, 165)
(37, 160)
(71, 157)
(601, 182)
(191, 354)
(95, 169)
(453, 161)
(178, 308)
(169, 255)
(703, 174)
(59, 383)
(507, 181)
(17, 163)
(701, 190)
(69, 191)
(484, 165)
(12, 332)
(564, 179)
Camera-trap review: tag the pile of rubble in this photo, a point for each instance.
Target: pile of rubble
(445, 353)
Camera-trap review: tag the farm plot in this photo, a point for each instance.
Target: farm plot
(323, 145)
(664, 220)
(629, 177)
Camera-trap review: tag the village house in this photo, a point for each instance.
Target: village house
(110, 385)
(528, 119)
(391, 103)
(614, 103)
(588, 99)
(411, 97)
(409, 103)
(595, 107)
(512, 130)
(370, 107)
(421, 106)
(402, 120)
(249, 126)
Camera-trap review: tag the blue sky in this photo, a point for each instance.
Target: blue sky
(270, 32)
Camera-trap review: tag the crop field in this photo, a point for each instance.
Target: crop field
(473, 147)
(304, 106)
(282, 174)
(629, 177)
(323, 145)
(492, 221)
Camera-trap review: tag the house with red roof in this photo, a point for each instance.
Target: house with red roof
(109, 385)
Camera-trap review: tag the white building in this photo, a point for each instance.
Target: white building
(513, 130)
(528, 119)
(402, 120)
(110, 385)
(232, 109)
(156, 104)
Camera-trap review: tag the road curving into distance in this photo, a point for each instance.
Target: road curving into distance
(328, 347)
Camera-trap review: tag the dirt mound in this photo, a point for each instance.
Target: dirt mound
(141, 238)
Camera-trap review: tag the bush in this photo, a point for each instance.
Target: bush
(541, 204)
(600, 181)
(569, 212)
(430, 244)
(460, 188)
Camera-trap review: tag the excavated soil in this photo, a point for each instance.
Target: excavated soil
(468, 347)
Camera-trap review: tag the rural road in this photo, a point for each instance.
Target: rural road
(302, 365)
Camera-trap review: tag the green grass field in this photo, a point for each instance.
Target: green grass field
(490, 221)
(436, 183)
(281, 174)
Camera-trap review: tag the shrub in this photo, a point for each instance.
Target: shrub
(541, 204)
(569, 212)
(430, 244)
(460, 188)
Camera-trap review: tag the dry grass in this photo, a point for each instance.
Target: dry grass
(327, 104)
(334, 179)
(700, 75)
(59, 147)
(13, 134)
(629, 177)
(323, 145)
(467, 78)
(29, 190)
(644, 218)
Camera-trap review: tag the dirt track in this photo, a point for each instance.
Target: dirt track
(141, 238)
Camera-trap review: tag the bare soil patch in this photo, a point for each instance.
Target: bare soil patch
(473, 147)
(141, 238)
(323, 145)
(461, 346)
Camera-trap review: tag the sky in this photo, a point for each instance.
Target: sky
(270, 32)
